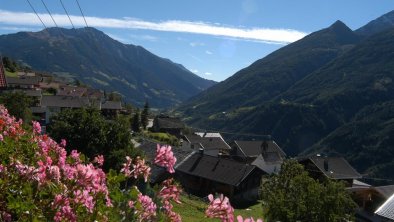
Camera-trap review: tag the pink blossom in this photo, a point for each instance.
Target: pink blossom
(1, 137)
(36, 127)
(240, 219)
(140, 168)
(75, 155)
(6, 217)
(220, 208)
(170, 191)
(126, 167)
(148, 211)
(167, 207)
(63, 143)
(99, 160)
(165, 158)
(131, 204)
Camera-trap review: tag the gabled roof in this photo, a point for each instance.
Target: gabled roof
(205, 134)
(64, 101)
(165, 122)
(385, 191)
(24, 80)
(114, 105)
(333, 167)
(208, 143)
(28, 92)
(255, 148)
(226, 171)
(386, 210)
(71, 91)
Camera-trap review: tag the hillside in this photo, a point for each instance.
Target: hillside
(316, 111)
(94, 58)
(274, 74)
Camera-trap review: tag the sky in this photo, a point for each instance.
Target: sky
(212, 38)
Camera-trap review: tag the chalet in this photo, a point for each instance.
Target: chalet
(213, 146)
(71, 91)
(250, 150)
(23, 82)
(111, 108)
(166, 124)
(336, 168)
(386, 211)
(202, 174)
(54, 104)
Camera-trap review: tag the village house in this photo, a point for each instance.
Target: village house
(337, 168)
(167, 124)
(213, 146)
(202, 174)
(110, 108)
(250, 150)
(23, 82)
(74, 91)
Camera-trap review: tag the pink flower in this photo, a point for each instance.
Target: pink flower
(126, 167)
(240, 219)
(63, 143)
(148, 208)
(99, 160)
(139, 168)
(131, 204)
(36, 127)
(220, 208)
(170, 191)
(167, 207)
(165, 158)
(6, 217)
(75, 155)
(1, 137)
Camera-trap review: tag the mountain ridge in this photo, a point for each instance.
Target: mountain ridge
(96, 59)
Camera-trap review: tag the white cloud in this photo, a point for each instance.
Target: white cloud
(208, 73)
(208, 52)
(260, 34)
(194, 71)
(145, 37)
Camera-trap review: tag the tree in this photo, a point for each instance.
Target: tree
(136, 122)
(18, 105)
(145, 115)
(89, 131)
(294, 196)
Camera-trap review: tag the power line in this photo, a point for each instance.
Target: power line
(80, 9)
(67, 14)
(49, 12)
(31, 6)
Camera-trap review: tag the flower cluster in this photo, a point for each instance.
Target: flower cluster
(241, 219)
(165, 158)
(9, 127)
(220, 208)
(144, 207)
(139, 168)
(170, 191)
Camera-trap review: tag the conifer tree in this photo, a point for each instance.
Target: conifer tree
(144, 115)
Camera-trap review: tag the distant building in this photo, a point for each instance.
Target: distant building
(111, 108)
(213, 146)
(202, 174)
(74, 91)
(23, 82)
(337, 168)
(250, 150)
(166, 124)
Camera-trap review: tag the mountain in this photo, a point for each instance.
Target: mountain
(274, 74)
(343, 105)
(94, 58)
(382, 23)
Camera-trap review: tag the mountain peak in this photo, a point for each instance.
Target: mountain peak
(380, 24)
(340, 27)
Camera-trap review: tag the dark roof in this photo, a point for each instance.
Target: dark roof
(255, 148)
(226, 171)
(64, 101)
(24, 80)
(38, 109)
(116, 105)
(71, 91)
(32, 92)
(387, 209)
(208, 142)
(94, 93)
(169, 123)
(338, 167)
(385, 191)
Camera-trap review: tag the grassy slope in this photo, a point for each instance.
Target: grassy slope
(192, 209)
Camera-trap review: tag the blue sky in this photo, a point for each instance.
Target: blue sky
(212, 38)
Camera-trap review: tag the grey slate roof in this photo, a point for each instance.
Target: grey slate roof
(208, 142)
(64, 101)
(226, 171)
(338, 167)
(169, 123)
(386, 210)
(71, 91)
(114, 105)
(385, 191)
(28, 92)
(25, 80)
(255, 148)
